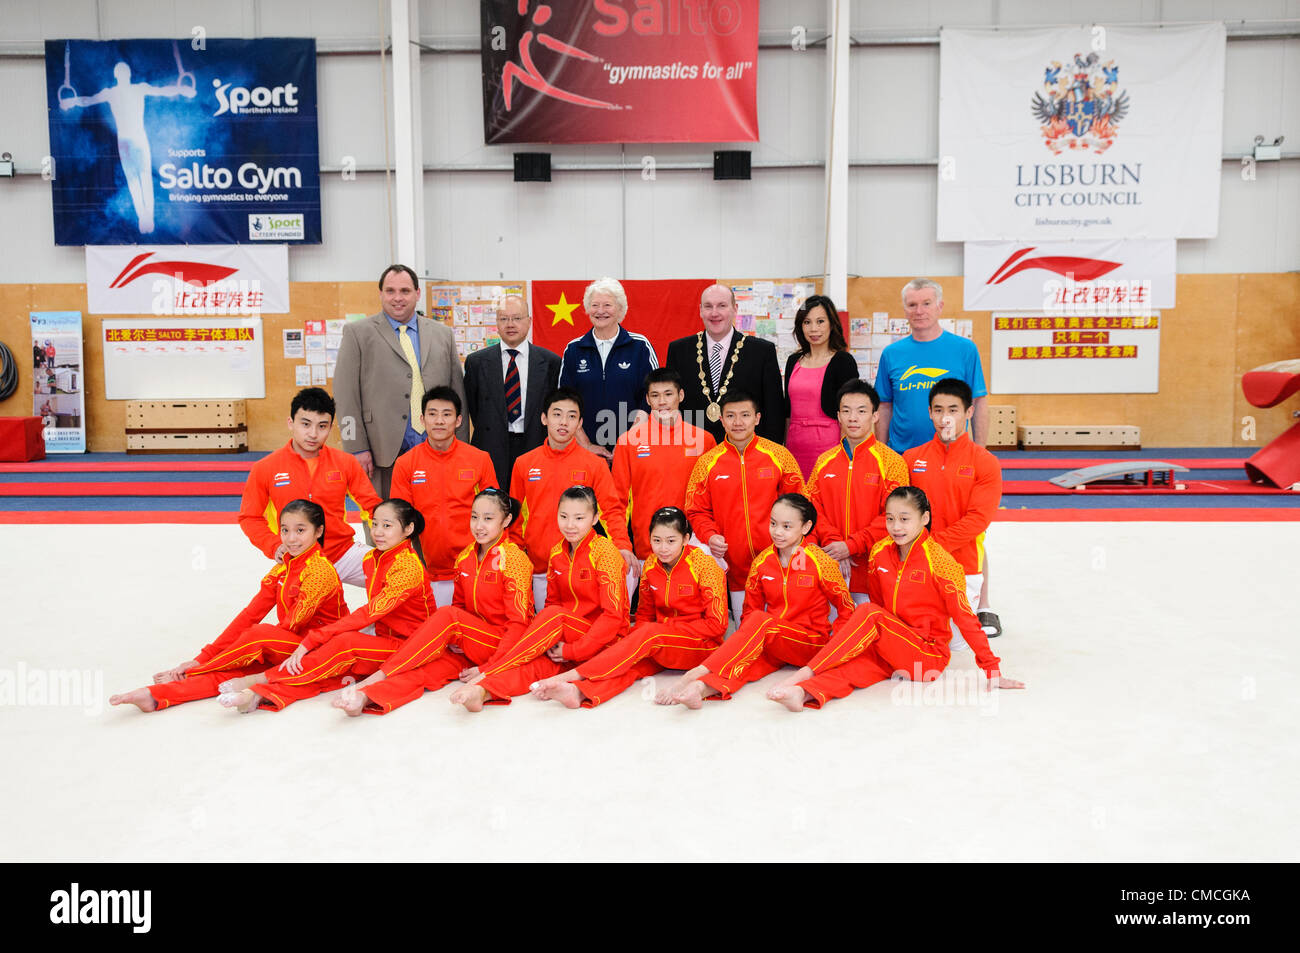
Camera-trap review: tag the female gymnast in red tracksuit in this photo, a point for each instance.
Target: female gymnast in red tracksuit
(790, 588)
(305, 592)
(680, 619)
(492, 603)
(916, 588)
(586, 610)
(399, 602)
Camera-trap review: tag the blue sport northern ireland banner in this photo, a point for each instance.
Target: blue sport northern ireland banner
(201, 142)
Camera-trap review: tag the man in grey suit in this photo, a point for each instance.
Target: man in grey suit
(505, 405)
(378, 408)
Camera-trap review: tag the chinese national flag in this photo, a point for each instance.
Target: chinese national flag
(661, 310)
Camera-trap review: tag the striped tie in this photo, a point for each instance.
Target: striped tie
(513, 406)
(417, 381)
(715, 365)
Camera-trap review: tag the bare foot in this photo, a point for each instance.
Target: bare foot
(791, 696)
(471, 696)
(697, 672)
(665, 696)
(692, 694)
(242, 701)
(140, 698)
(547, 686)
(566, 693)
(232, 685)
(352, 700)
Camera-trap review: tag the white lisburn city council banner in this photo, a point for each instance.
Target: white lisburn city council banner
(180, 280)
(1080, 132)
(1086, 277)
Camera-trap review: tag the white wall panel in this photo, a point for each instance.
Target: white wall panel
(590, 222)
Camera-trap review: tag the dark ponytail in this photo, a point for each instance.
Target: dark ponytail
(408, 515)
(509, 505)
(801, 503)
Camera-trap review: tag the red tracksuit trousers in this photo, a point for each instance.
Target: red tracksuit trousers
(551, 625)
(424, 664)
(260, 647)
(761, 645)
(871, 648)
(647, 649)
(323, 668)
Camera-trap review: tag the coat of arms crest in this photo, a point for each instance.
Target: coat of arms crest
(1082, 106)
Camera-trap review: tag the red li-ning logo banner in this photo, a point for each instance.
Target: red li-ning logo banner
(619, 70)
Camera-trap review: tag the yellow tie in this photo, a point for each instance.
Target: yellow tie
(417, 381)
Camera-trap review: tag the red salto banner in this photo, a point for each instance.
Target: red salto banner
(661, 310)
(619, 70)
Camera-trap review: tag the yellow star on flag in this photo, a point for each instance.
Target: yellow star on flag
(562, 311)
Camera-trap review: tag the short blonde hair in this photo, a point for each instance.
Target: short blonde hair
(610, 287)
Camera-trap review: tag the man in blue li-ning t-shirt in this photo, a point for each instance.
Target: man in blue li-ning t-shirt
(908, 369)
(911, 366)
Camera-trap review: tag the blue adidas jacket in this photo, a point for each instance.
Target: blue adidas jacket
(611, 395)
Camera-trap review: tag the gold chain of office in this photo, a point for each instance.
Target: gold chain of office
(714, 410)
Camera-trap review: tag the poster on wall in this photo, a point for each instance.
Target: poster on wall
(613, 71)
(58, 380)
(1065, 277)
(1080, 132)
(199, 141)
(166, 280)
(160, 359)
(1076, 354)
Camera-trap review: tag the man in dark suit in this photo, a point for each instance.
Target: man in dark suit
(505, 385)
(719, 359)
(375, 380)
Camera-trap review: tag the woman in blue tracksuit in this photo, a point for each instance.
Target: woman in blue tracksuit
(608, 366)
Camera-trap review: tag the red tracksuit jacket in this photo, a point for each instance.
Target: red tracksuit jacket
(801, 593)
(304, 591)
(497, 588)
(397, 594)
(964, 484)
(731, 493)
(926, 590)
(652, 463)
(694, 590)
(283, 476)
(590, 583)
(538, 479)
(442, 485)
(848, 485)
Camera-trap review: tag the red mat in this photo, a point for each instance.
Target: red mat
(1178, 514)
(122, 489)
(124, 516)
(125, 466)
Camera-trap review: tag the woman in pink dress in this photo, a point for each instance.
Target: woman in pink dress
(813, 378)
